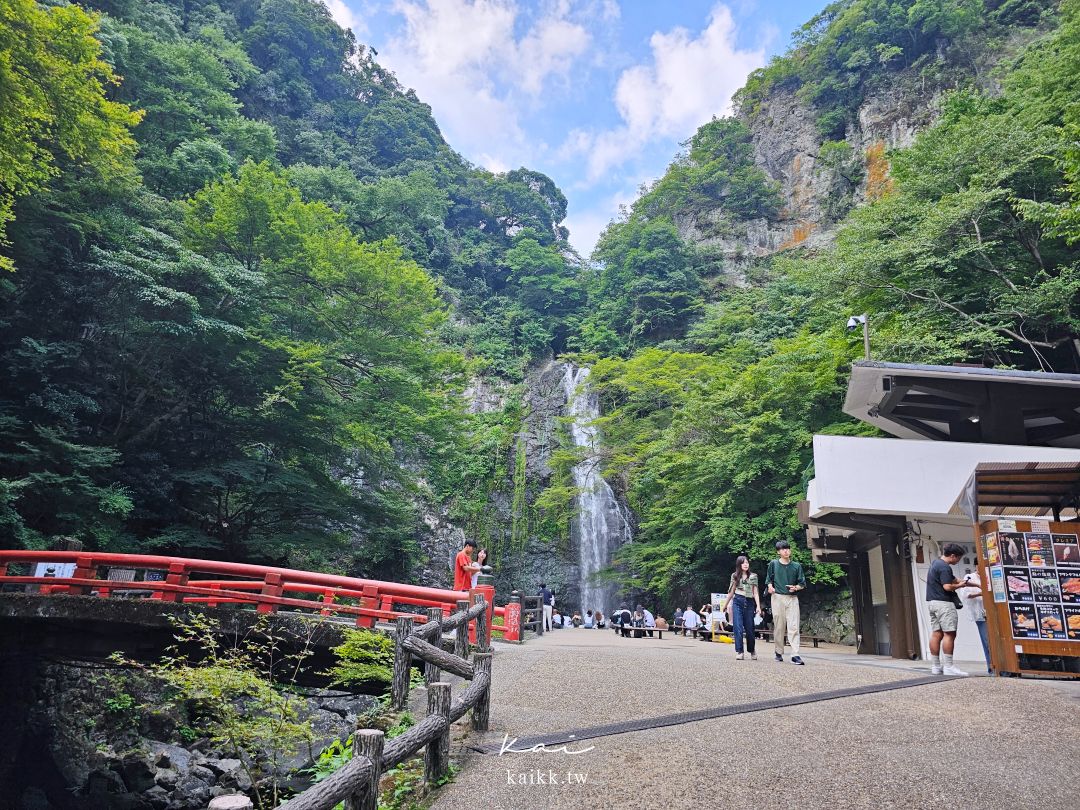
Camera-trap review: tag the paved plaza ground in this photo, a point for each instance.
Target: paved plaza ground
(969, 743)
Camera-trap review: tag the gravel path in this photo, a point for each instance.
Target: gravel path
(1020, 747)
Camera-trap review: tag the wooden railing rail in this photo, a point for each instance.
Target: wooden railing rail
(357, 783)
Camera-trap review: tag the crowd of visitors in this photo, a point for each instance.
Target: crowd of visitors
(739, 612)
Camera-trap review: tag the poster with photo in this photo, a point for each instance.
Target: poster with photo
(997, 583)
(1018, 585)
(1022, 618)
(1040, 550)
(1069, 583)
(1051, 622)
(1072, 622)
(1011, 545)
(1066, 551)
(1044, 586)
(990, 549)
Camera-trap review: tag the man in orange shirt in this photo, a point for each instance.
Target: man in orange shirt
(464, 566)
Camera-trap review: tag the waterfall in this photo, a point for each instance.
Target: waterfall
(600, 526)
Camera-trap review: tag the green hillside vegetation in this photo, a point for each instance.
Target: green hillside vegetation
(234, 244)
(971, 258)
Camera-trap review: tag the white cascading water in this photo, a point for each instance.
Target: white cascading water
(601, 527)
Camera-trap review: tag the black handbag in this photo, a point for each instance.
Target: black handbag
(956, 600)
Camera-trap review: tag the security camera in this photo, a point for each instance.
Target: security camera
(854, 321)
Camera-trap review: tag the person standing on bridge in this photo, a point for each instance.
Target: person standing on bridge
(547, 599)
(784, 579)
(464, 566)
(481, 561)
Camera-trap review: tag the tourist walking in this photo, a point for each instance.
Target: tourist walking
(481, 561)
(784, 579)
(547, 599)
(464, 566)
(747, 604)
(941, 602)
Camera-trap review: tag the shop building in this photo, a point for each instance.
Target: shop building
(883, 507)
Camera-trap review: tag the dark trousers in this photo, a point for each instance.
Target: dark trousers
(742, 614)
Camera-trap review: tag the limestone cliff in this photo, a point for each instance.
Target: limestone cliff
(821, 180)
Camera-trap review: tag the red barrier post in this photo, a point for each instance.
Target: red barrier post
(327, 599)
(512, 622)
(488, 592)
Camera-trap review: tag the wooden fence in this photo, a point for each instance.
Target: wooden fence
(357, 784)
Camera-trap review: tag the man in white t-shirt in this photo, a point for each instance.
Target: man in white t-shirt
(690, 619)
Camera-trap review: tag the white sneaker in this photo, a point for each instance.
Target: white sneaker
(739, 657)
(935, 670)
(954, 672)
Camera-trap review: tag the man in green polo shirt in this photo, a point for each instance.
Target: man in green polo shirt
(784, 580)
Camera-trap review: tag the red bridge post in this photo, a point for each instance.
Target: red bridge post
(271, 587)
(178, 575)
(370, 600)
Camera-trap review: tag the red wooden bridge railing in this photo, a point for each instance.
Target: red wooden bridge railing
(213, 583)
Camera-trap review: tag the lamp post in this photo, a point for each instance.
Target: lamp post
(853, 322)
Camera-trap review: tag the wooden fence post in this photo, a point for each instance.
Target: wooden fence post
(461, 634)
(481, 712)
(399, 689)
(437, 755)
(368, 742)
(432, 673)
(483, 632)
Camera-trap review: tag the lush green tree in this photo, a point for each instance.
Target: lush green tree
(54, 90)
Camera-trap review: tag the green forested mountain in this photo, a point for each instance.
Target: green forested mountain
(232, 244)
(965, 251)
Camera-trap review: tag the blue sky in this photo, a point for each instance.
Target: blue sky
(597, 94)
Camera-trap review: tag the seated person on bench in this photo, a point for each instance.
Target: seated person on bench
(620, 620)
(714, 622)
(648, 620)
(690, 621)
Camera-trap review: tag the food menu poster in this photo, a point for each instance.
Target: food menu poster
(1041, 573)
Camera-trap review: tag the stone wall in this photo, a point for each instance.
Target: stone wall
(829, 614)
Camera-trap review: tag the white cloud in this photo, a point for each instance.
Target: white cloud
(587, 225)
(347, 18)
(464, 59)
(689, 80)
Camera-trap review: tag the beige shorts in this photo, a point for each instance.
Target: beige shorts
(943, 616)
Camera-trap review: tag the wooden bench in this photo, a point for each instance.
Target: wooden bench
(645, 631)
(767, 635)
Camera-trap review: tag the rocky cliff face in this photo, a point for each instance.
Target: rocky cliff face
(819, 186)
(522, 562)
